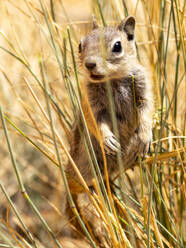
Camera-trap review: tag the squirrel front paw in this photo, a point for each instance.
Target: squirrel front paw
(144, 143)
(111, 145)
(144, 148)
(139, 146)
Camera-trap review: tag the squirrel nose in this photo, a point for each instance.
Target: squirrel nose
(90, 65)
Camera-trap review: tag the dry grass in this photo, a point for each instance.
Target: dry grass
(151, 212)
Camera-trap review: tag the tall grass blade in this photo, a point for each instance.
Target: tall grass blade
(72, 205)
(21, 185)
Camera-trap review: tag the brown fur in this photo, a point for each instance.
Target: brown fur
(96, 50)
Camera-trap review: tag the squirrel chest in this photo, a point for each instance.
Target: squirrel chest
(127, 95)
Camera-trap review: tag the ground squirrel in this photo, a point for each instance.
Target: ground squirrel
(132, 97)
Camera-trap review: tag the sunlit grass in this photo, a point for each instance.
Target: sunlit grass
(153, 216)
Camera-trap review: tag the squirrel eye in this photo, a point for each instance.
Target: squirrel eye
(80, 48)
(117, 47)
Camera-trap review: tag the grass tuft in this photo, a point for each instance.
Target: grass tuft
(42, 93)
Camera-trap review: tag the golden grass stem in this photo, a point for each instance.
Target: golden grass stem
(72, 204)
(156, 230)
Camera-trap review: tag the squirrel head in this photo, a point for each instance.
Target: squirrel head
(107, 53)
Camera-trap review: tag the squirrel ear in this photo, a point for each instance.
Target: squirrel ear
(94, 22)
(128, 26)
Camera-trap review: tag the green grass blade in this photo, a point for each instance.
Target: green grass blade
(18, 215)
(21, 185)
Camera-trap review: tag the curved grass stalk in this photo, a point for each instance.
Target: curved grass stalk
(72, 204)
(85, 124)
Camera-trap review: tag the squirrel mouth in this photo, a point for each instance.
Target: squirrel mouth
(96, 77)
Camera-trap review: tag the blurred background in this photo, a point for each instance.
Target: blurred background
(25, 41)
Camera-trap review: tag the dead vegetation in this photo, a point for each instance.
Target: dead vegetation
(39, 81)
